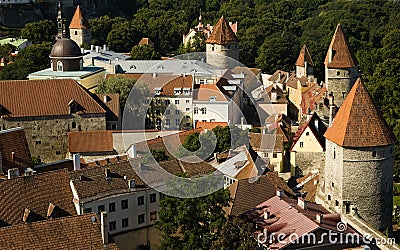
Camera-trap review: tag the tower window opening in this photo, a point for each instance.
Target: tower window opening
(336, 203)
(373, 153)
(329, 198)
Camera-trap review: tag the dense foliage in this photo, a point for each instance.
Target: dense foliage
(117, 84)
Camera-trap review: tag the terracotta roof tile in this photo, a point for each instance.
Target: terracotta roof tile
(304, 56)
(74, 232)
(90, 141)
(358, 122)
(266, 142)
(24, 98)
(246, 194)
(222, 33)
(78, 20)
(91, 183)
(341, 57)
(14, 140)
(36, 192)
(110, 103)
(203, 92)
(210, 125)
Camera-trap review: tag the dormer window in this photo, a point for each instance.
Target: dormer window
(177, 91)
(213, 98)
(186, 91)
(73, 107)
(157, 91)
(60, 66)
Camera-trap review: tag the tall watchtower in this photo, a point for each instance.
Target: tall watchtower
(79, 28)
(221, 44)
(341, 67)
(359, 161)
(304, 63)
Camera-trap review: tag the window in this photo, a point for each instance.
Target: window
(329, 197)
(177, 122)
(301, 144)
(187, 101)
(373, 153)
(336, 203)
(177, 91)
(87, 210)
(100, 209)
(153, 215)
(140, 218)
(338, 73)
(167, 102)
(153, 198)
(204, 111)
(76, 33)
(176, 101)
(124, 204)
(58, 152)
(73, 125)
(158, 112)
(177, 112)
(274, 155)
(167, 122)
(158, 102)
(333, 184)
(344, 94)
(334, 154)
(187, 109)
(125, 222)
(38, 142)
(60, 66)
(167, 112)
(213, 98)
(196, 110)
(307, 133)
(111, 207)
(140, 200)
(347, 207)
(112, 225)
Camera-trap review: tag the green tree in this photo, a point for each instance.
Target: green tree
(192, 223)
(100, 28)
(6, 50)
(29, 60)
(122, 37)
(236, 234)
(144, 52)
(198, 44)
(117, 84)
(155, 155)
(41, 31)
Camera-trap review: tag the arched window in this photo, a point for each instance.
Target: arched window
(60, 66)
(73, 124)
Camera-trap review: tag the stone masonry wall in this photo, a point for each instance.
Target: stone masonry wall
(339, 81)
(333, 174)
(368, 184)
(48, 136)
(305, 159)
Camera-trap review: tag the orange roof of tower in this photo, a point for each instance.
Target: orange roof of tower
(341, 57)
(304, 56)
(79, 21)
(358, 122)
(222, 33)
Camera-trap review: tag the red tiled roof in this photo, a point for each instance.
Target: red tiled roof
(210, 125)
(311, 97)
(111, 105)
(24, 98)
(359, 123)
(203, 92)
(74, 232)
(90, 141)
(36, 192)
(342, 57)
(222, 33)
(304, 56)
(14, 141)
(266, 142)
(78, 20)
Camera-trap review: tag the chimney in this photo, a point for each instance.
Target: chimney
(132, 152)
(267, 215)
(309, 115)
(50, 209)
(12, 156)
(319, 217)
(131, 184)
(105, 98)
(104, 48)
(76, 158)
(279, 77)
(92, 47)
(12, 173)
(154, 75)
(273, 93)
(26, 215)
(104, 227)
(107, 172)
(82, 50)
(287, 77)
(316, 124)
(301, 203)
(279, 193)
(97, 49)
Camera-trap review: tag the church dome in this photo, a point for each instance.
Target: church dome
(65, 47)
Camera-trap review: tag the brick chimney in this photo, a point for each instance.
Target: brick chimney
(301, 203)
(104, 227)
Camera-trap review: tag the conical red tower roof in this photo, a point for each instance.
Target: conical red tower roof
(79, 21)
(358, 122)
(222, 33)
(304, 56)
